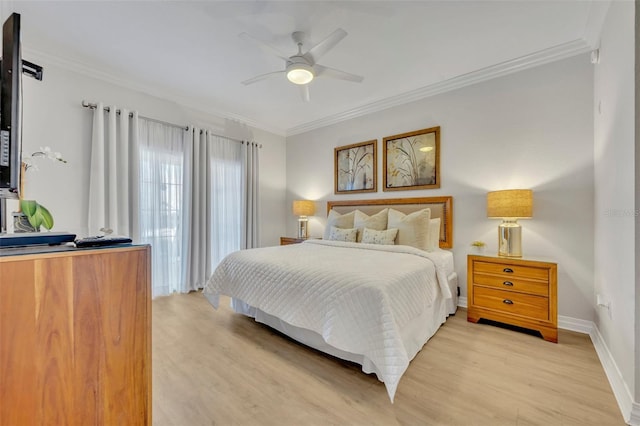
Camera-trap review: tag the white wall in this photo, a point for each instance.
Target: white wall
(615, 191)
(637, 167)
(531, 129)
(53, 116)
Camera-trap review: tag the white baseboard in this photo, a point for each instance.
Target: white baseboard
(462, 302)
(630, 409)
(575, 324)
(634, 418)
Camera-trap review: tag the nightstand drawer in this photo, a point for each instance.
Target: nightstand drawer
(512, 270)
(511, 302)
(512, 284)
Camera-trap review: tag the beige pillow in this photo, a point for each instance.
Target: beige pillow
(413, 229)
(343, 234)
(377, 222)
(339, 221)
(434, 234)
(386, 237)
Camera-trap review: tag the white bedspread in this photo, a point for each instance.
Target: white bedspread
(356, 296)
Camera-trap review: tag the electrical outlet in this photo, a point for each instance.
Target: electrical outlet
(602, 302)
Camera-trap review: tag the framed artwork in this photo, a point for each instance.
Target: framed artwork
(412, 160)
(356, 168)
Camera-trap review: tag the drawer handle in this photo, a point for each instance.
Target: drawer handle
(507, 302)
(508, 283)
(508, 270)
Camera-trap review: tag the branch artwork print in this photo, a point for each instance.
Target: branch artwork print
(355, 167)
(411, 160)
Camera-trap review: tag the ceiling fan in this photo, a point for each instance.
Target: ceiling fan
(302, 68)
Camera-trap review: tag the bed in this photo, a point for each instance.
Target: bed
(373, 304)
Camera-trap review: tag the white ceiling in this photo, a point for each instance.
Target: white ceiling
(190, 51)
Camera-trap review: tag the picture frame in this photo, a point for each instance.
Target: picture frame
(412, 160)
(356, 168)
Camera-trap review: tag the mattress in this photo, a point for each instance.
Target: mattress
(375, 305)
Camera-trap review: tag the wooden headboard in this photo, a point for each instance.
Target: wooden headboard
(441, 207)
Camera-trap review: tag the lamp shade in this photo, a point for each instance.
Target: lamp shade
(304, 208)
(511, 203)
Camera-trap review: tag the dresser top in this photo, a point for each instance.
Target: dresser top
(62, 248)
(513, 260)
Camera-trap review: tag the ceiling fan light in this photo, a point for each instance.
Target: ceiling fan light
(300, 74)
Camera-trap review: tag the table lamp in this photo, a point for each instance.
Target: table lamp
(510, 205)
(302, 209)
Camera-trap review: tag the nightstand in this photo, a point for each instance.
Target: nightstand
(290, 240)
(515, 291)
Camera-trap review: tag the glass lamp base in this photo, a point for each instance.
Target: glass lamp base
(510, 239)
(302, 228)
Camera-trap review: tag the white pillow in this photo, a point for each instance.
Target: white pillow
(372, 236)
(339, 221)
(413, 229)
(377, 222)
(343, 234)
(434, 234)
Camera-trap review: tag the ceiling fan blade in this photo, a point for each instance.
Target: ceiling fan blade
(304, 92)
(262, 77)
(322, 71)
(264, 46)
(317, 51)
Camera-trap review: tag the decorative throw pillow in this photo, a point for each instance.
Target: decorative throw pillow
(413, 229)
(372, 236)
(339, 221)
(343, 234)
(377, 221)
(434, 234)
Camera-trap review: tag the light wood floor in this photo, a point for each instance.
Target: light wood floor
(219, 368)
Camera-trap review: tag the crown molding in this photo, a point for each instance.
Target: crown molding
(541, 57)
(131, 83)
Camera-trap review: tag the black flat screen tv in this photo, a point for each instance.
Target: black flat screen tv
(10, 108)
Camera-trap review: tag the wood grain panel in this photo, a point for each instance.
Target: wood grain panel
(520, 304)
(516, 270)
(76, 338)
(284, 241)
(54, 341)
(512, 284)
(17, 334)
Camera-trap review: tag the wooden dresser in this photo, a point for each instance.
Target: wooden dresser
(75, 336)
(518, 292)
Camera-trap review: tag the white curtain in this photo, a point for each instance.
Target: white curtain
(161, 210)
(250, 187)
(190, 194)
(197, 204)
(214, 199)
(113, 195)
(226, 213)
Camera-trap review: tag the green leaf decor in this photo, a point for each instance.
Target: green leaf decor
(37, 214)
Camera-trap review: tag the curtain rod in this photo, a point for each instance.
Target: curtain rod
(92, 105)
